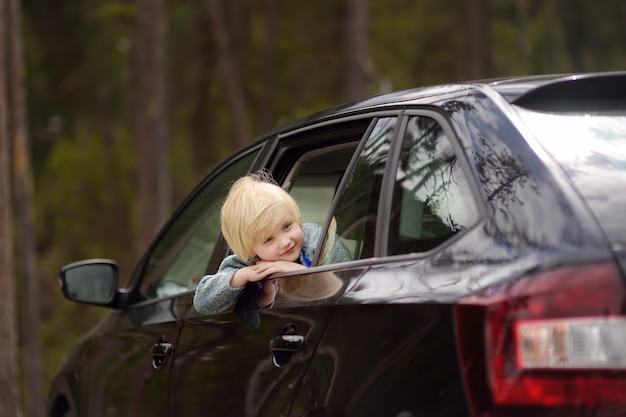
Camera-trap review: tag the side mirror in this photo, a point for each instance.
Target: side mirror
(92, 281)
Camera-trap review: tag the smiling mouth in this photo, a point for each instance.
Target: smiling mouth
(290, 250)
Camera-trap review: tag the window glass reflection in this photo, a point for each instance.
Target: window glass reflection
(591, 148)
(431, 198)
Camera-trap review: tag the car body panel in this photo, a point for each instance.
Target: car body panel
(381, 335)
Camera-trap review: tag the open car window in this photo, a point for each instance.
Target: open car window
(314, 179)
(314, 164)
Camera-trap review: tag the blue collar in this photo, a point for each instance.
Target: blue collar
(305, 259)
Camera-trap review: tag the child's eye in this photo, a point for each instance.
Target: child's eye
(268, 240)
(286, 226)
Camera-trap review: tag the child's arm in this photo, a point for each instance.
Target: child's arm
(214, 293)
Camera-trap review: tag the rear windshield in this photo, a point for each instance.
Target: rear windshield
(592, 150)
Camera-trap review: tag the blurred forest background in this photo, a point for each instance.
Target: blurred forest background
(127, 104)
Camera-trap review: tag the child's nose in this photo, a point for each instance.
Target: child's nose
(284, 240)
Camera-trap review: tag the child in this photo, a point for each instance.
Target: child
(261, 224)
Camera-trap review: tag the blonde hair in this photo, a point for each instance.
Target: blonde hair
(248, 212)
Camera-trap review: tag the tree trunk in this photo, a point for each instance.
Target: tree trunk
(24, 205)
(479, 39)
(9, 380)
(522, 32)
(573, 15)
(239, 23)
(267, 115)
(203, 120)
(357, 68)
(226, 60)
(150, 119)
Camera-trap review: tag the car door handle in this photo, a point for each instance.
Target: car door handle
(287, 343)
(160, 351)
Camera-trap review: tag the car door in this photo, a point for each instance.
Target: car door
(126, 376)
(227, 367)
(224, 368)
(131, 357)
(389, 347)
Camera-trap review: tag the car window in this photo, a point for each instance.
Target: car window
(430, 200)
(181, 256)
(314, 179)
(355, 212)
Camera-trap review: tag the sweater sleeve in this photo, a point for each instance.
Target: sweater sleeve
(214, 293)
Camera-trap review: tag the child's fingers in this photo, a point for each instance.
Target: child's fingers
(261, 271)
(261, 267)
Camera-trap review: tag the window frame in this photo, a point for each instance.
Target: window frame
(300, 142)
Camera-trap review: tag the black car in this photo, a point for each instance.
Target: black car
(487, 226)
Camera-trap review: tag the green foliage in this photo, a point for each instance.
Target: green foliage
(86, 198)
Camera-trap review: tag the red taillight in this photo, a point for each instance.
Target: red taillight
(554, 339)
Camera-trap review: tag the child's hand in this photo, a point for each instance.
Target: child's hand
(266, 268)
(245, 275)
(261, 270)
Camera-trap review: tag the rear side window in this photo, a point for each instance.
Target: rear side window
(431, 199)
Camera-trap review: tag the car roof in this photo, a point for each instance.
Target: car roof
(531, 90)
(539, 92)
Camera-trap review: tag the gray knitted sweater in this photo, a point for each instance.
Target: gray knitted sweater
(214, 293)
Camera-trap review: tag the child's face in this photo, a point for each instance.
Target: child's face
(284, 243)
